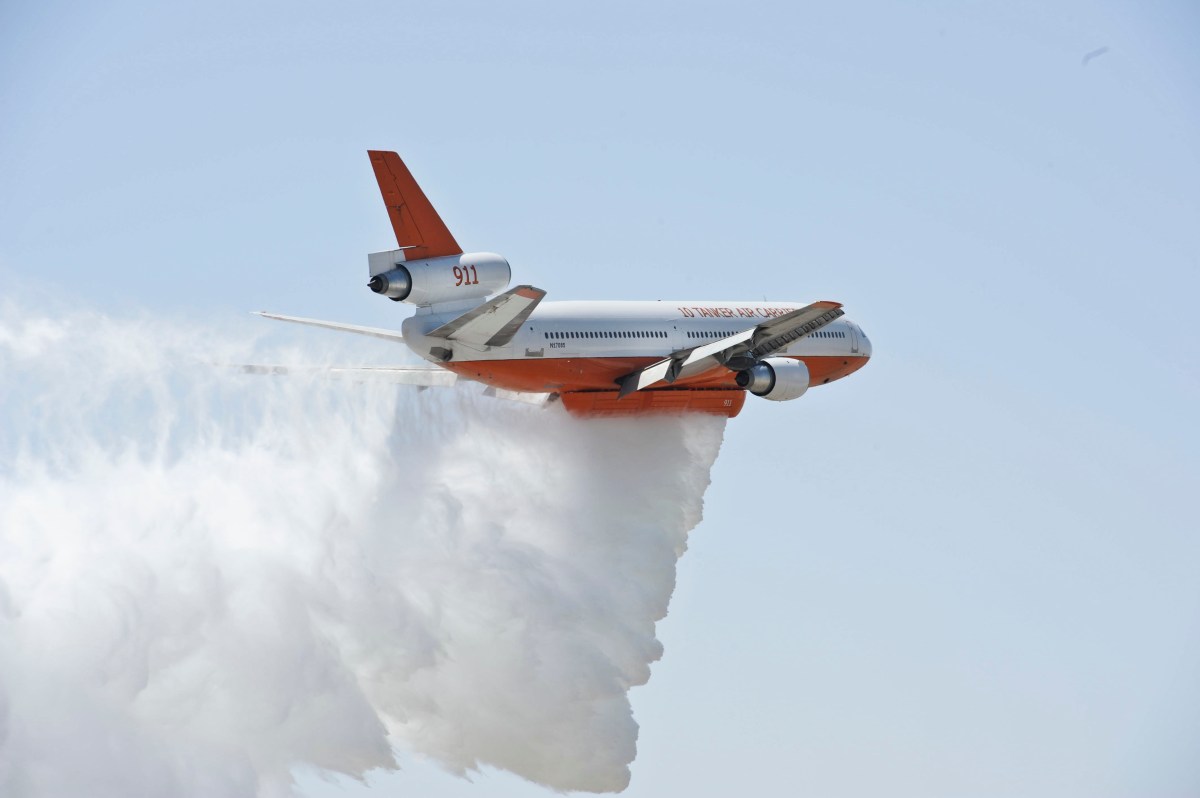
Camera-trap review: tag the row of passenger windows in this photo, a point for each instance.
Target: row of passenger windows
(557, 336)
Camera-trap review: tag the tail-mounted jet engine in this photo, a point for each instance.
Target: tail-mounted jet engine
(776, 378)
(436, 280)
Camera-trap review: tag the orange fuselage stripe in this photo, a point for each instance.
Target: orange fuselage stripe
(601, 373)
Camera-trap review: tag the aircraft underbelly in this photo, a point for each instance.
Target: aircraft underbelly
(559, 375)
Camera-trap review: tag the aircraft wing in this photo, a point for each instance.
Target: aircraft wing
(421, 376)
(495, 322)
(745, 347)
(389, 335)
(425, 376)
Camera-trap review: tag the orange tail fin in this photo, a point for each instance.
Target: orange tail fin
(420, 232)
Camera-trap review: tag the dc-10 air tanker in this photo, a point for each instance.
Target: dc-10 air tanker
(599, 358)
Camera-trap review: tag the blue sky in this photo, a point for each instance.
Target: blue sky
(970, 568)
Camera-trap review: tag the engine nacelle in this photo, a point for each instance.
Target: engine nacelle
(433, 281)
(776, 378)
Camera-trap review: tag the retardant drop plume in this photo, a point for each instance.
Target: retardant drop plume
(208, 578)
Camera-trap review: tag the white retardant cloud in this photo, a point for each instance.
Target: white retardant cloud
(207, 578)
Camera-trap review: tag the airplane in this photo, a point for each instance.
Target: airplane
(598, 358)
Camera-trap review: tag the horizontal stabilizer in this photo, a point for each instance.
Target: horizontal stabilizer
(374, 332)
(495, 322)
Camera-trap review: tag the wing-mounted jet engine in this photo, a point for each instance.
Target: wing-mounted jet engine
(776, 378)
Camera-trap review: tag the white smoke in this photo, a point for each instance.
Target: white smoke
(208, 578)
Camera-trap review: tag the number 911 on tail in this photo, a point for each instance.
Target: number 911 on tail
(599, 358)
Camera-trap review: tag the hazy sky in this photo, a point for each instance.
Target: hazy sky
(971, 568)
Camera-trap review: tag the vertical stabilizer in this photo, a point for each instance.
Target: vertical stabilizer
(420, 232)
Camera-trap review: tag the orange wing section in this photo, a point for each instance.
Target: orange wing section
(419, 229)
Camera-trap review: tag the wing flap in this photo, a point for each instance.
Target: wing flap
(525, 397)
(778, 333)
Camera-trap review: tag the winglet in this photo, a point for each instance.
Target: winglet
(420, 232)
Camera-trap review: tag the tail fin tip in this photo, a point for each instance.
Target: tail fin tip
(420, 232)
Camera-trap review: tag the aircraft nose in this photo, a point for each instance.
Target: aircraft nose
(865, 345)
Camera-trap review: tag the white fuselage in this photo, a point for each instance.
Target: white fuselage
(635, 329)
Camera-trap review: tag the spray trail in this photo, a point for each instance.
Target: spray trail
(207, 578)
